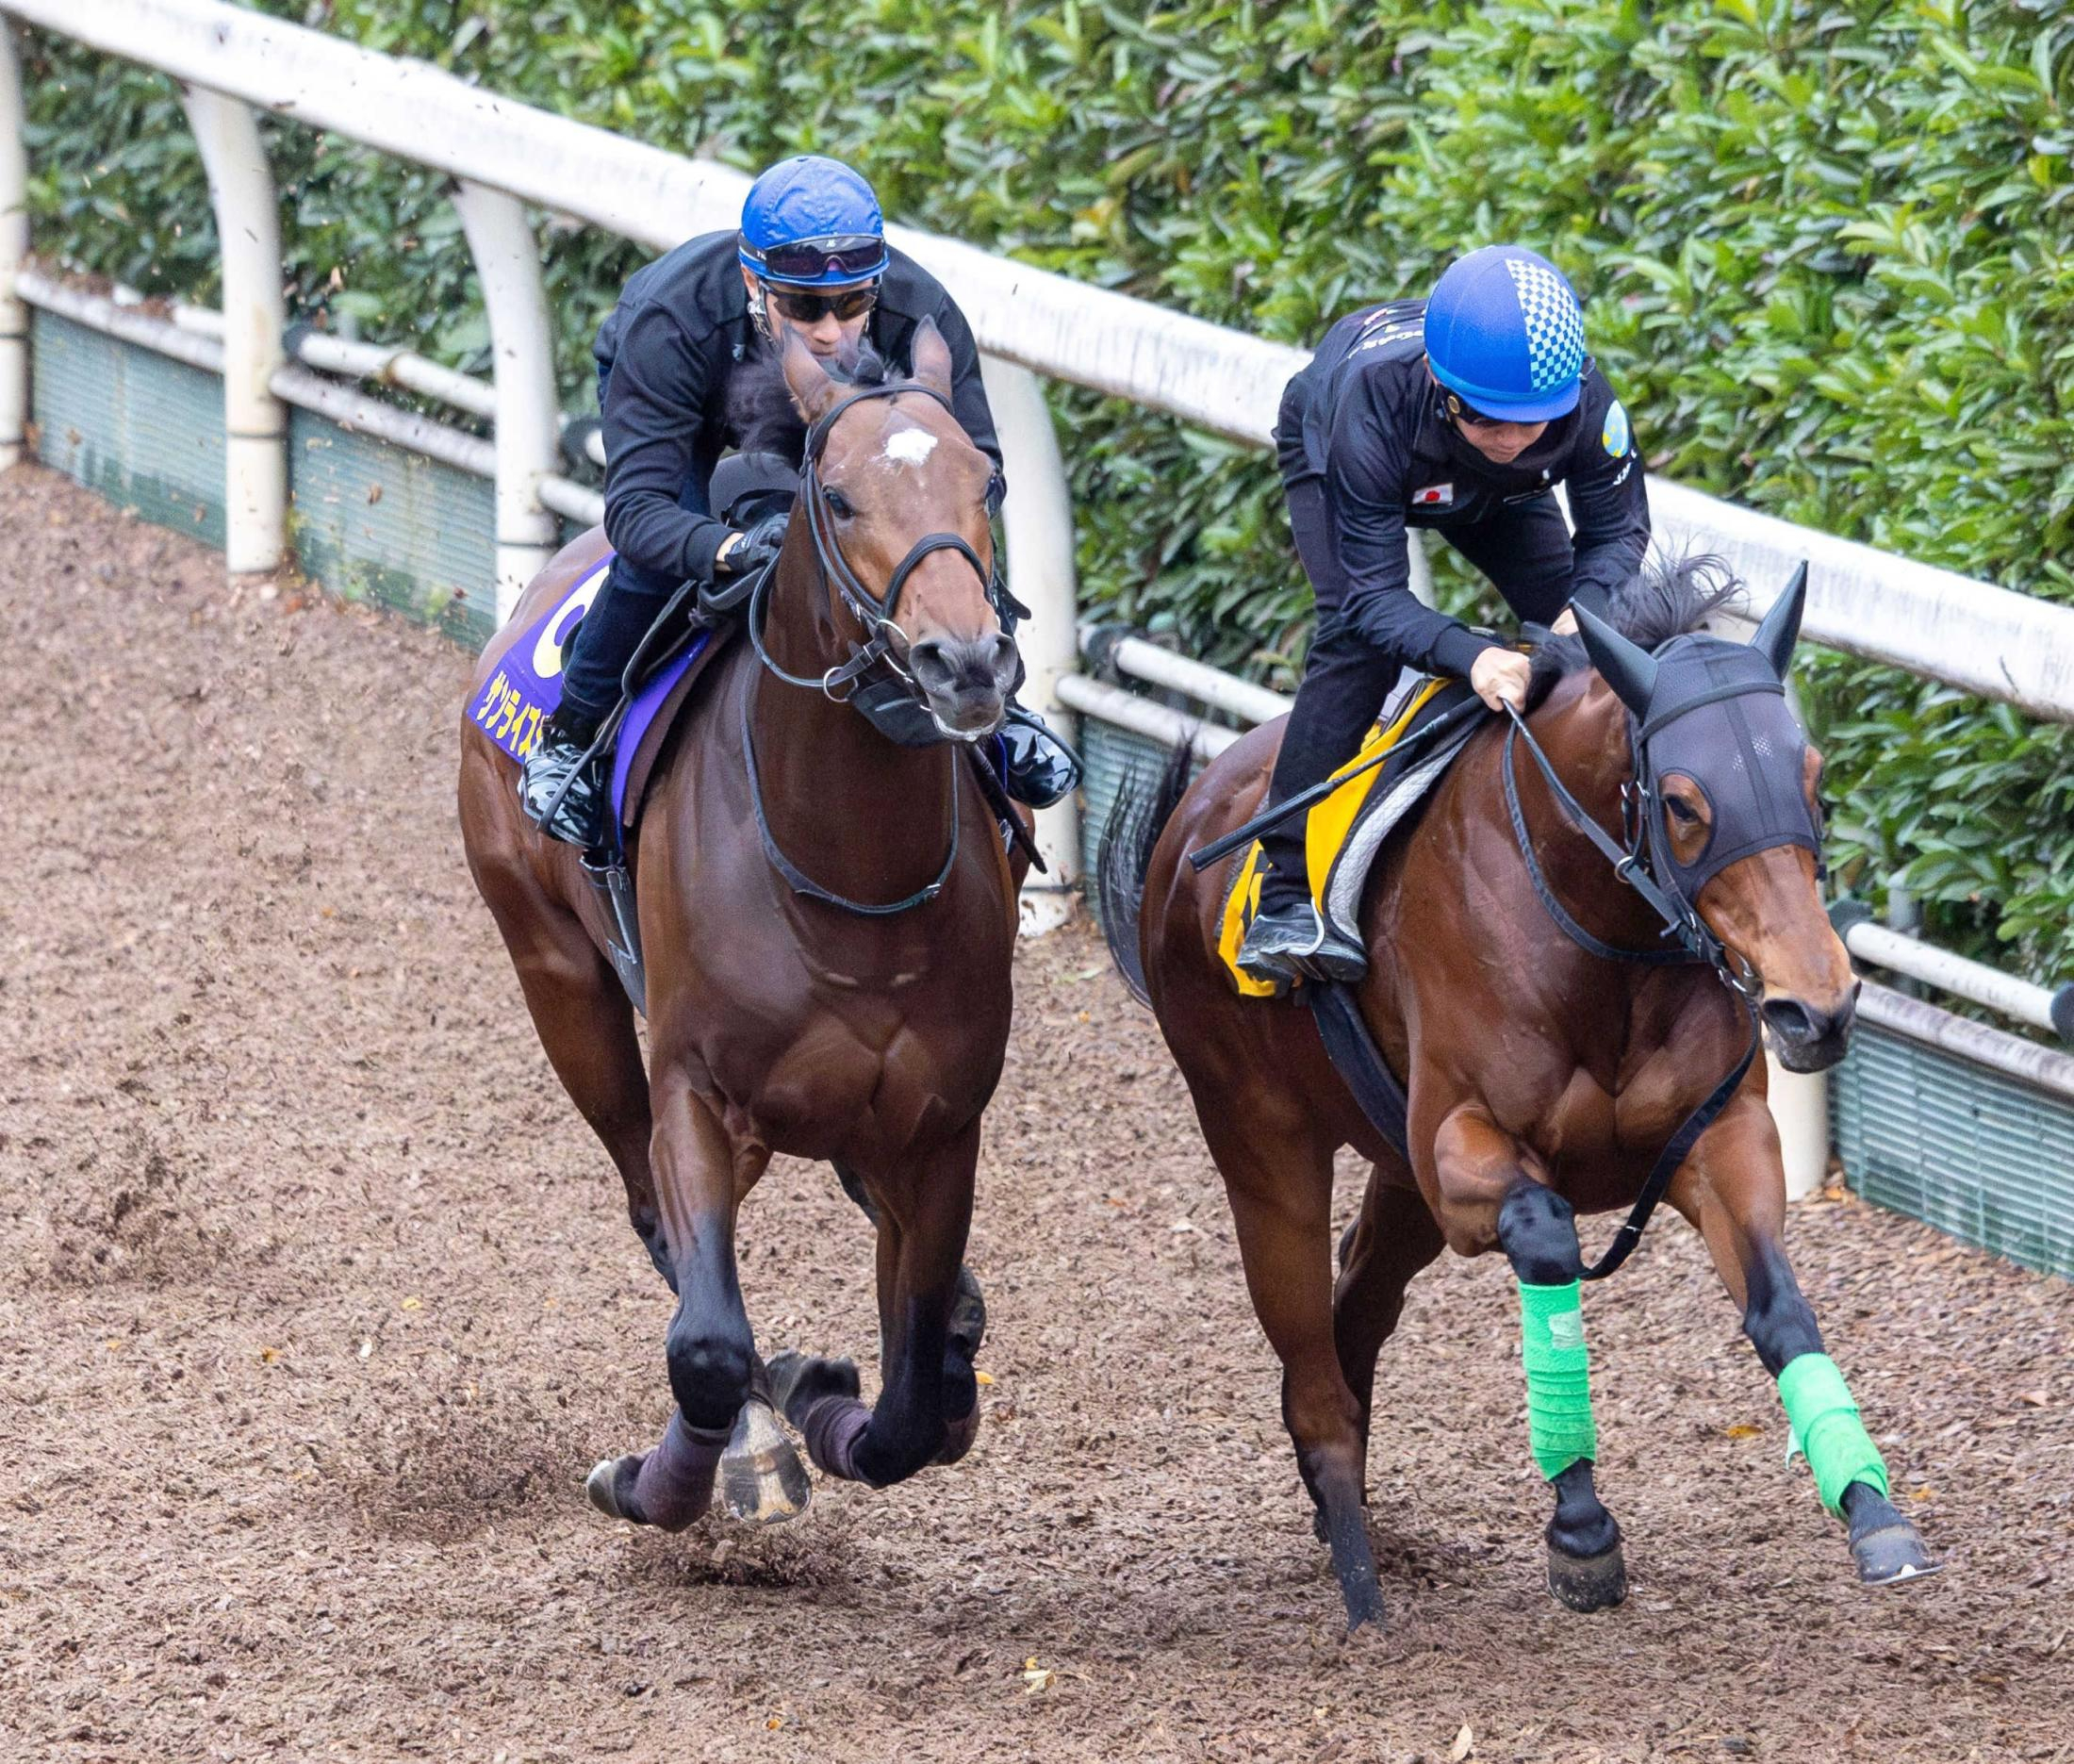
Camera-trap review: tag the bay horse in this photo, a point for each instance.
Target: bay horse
(827, 919)
(1548, 1041)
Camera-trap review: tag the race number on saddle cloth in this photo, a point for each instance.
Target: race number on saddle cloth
(1343, 834)
(525, 687)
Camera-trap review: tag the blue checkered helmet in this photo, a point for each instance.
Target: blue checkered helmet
(813, 222)
(1503, 332)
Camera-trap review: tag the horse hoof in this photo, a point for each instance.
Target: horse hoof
(602, 1487)
(1892, 1556)
(761, 1480)
(798, 1381)
(1587, 1583)
(1364, 1604)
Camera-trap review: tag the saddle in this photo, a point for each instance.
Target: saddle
(1345, 833)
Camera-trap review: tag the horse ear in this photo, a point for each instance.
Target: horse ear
(931, 363)
(1627, 667)
(1781, 628)
(812, 390)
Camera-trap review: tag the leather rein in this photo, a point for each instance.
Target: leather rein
(876, 613)
(1695, 943)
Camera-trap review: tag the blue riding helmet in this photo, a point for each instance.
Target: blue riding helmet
(1503, 333)
(813, 222)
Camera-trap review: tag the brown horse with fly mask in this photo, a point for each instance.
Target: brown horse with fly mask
(1550, 1045)
(827, 919)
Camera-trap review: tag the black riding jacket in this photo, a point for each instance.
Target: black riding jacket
(1373, 423)
(668, 350)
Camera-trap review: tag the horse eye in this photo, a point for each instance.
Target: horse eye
(838, 502)
(1681, 810)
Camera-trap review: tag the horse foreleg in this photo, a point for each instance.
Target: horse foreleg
(927, 1406)
(1493, 1191)
(701, 1180)
(1732, 1190)
(968, 1316)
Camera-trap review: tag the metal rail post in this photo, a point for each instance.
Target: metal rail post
(248, 232)
(1038, 521)
(507, 262)
(14, 247)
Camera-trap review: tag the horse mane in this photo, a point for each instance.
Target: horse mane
(1664, 598)
(760, 408)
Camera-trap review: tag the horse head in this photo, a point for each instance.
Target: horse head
(894, 495)
(1726, 785)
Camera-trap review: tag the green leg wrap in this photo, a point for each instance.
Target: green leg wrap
(1558, 1377)
(1826, 1427)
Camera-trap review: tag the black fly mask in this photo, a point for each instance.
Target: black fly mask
(1714, 712)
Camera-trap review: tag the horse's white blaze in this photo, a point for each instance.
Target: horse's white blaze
(909, 447)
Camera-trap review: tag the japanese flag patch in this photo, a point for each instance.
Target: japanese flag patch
(1614, 436)
(1433, 496)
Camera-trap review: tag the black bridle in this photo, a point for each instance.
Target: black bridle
(839, 684)
(1694, 943)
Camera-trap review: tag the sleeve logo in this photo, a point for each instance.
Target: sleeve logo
(1433, 496)
(1614, 438)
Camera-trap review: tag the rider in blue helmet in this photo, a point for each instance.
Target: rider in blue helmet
(810, 259)
(1462, 411)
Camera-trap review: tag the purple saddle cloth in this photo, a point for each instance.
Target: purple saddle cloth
(527, 684)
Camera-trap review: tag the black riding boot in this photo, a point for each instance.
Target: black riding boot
(1289, 938)
(560, 787)
(1042, 769)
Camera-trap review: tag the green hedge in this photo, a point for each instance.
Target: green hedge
(1826, 252)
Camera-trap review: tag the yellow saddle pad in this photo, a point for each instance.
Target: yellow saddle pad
(1326, 827)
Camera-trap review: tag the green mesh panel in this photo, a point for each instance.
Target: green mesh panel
(1974, 1153)
(142, 430)
(373, 523)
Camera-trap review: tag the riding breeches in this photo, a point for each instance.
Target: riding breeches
(628, 603)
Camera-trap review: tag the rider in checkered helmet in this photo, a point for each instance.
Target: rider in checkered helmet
(1462, 412)
(810, 259)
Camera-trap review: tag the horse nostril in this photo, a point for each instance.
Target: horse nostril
(952, 665)
(930, 664)
(1004, 661)
(1792, 1021)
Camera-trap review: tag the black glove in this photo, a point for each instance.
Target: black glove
(759, 545)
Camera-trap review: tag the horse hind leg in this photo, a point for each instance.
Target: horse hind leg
(1390, 1239)
(585, 1024)
(1280, 1189)
(761, 1480)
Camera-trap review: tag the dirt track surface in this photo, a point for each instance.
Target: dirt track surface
(318, 1301)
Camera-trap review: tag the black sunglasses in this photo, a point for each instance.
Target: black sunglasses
(852, 303)
(856, 255)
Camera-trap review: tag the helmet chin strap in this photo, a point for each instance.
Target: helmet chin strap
(758, 312)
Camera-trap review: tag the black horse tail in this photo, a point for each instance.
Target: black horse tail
(1140, 814)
